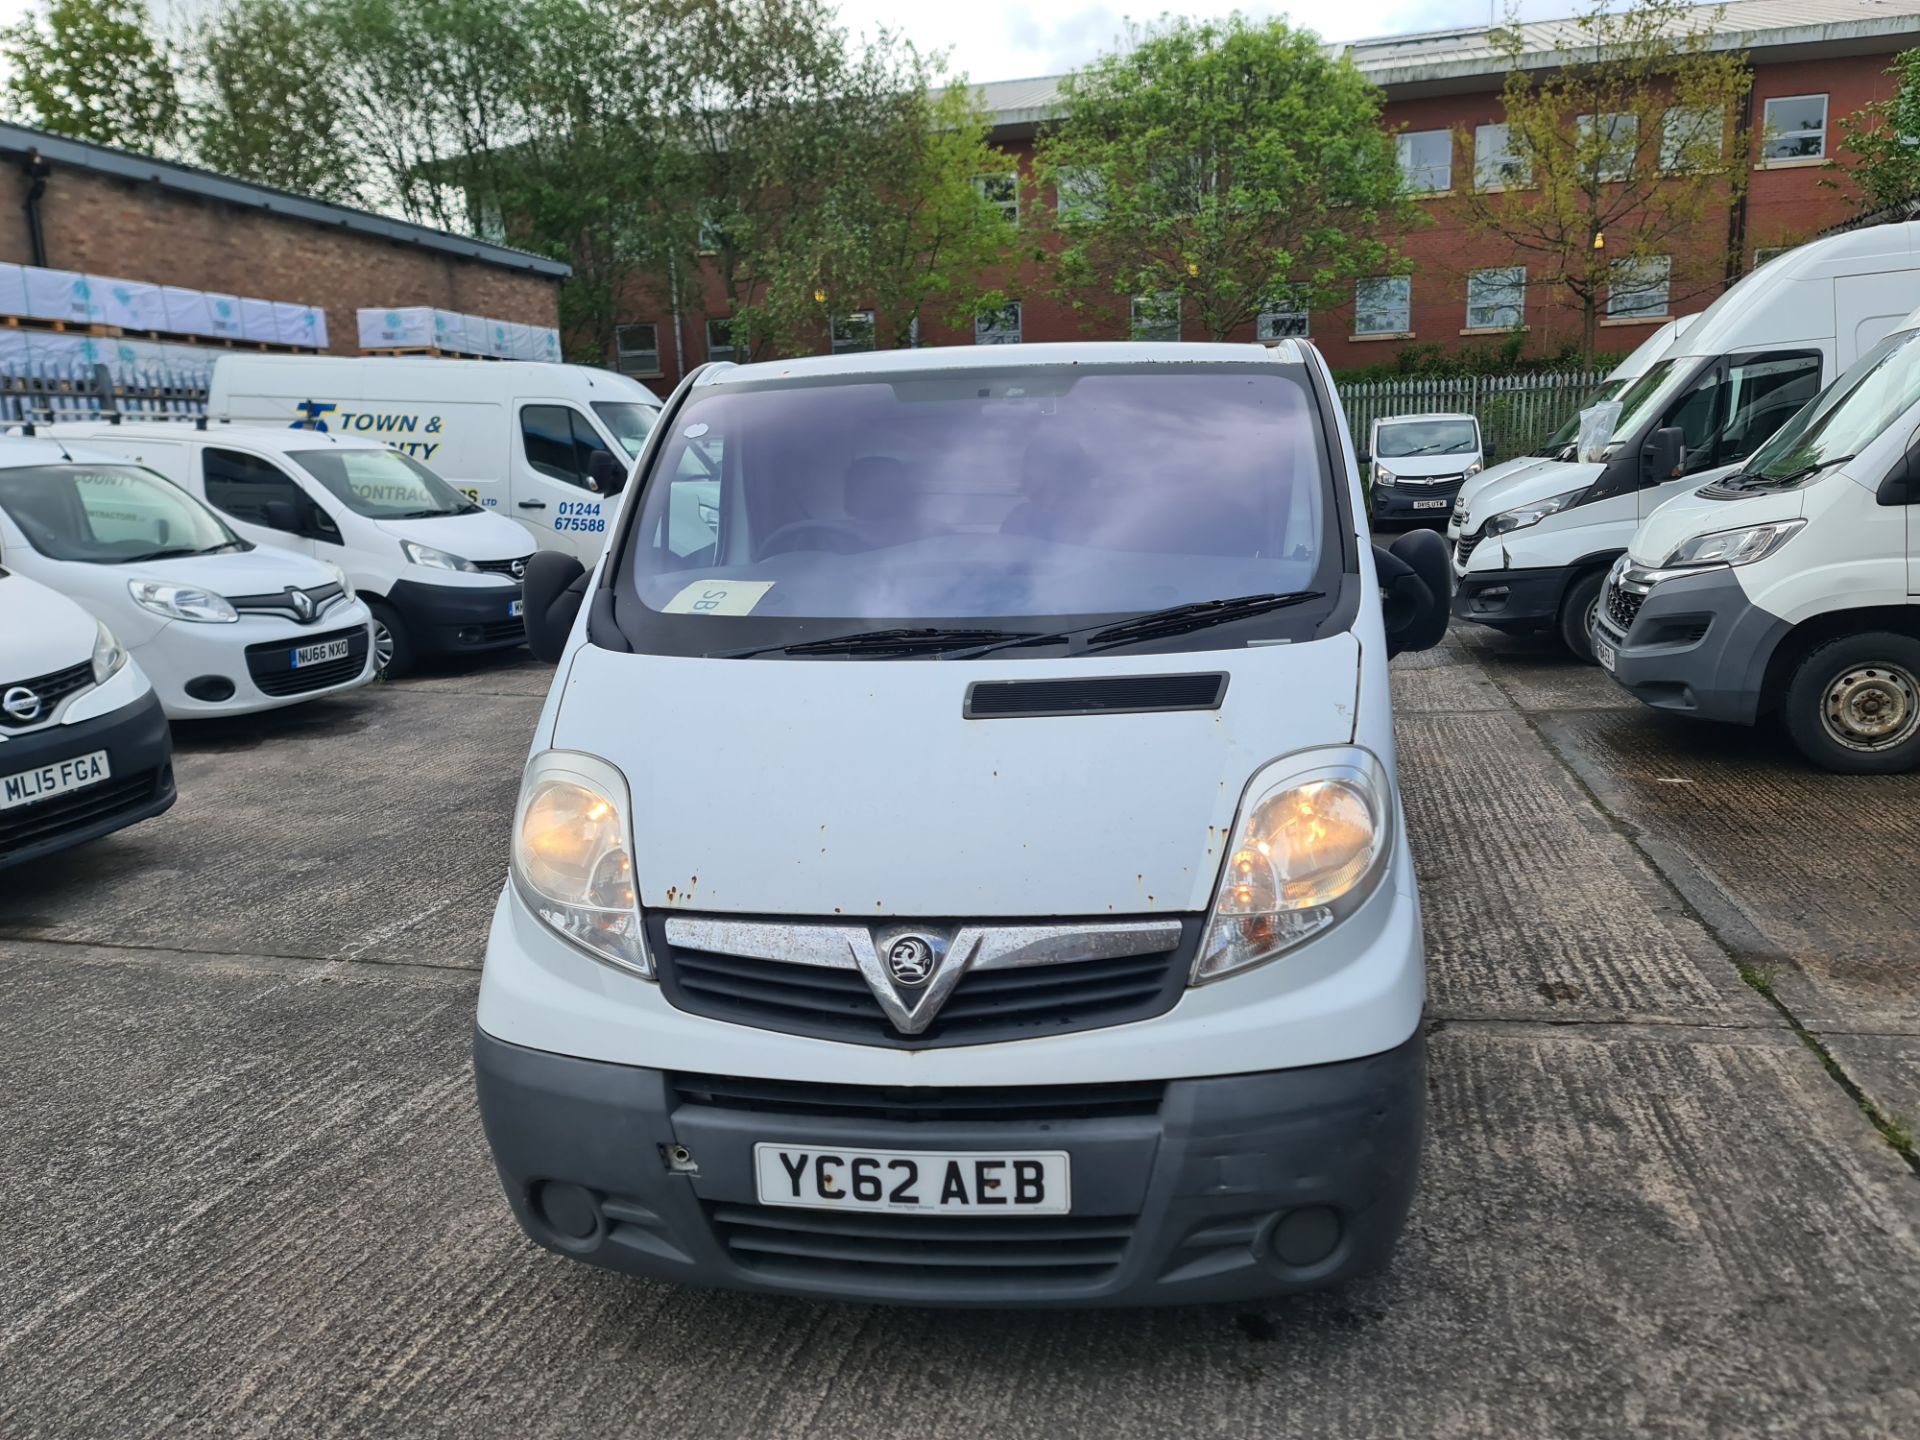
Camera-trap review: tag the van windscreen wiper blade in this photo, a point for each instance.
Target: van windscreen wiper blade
(896, 641)
(1198, 616)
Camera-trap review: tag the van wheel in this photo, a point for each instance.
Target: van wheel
(392, 650)
(1577, 612)
(1854, 704)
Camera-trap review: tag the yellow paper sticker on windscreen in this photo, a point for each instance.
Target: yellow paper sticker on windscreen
(718, 597)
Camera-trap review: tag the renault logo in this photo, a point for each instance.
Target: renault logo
(22, 704)
(302, 604)
(910, 961)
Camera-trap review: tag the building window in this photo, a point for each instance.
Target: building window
(720, 340)
(852, 332)
(1607, 143)
(1155, 317)
(637, 349)
(1691, 137)
(1383, 306)
(1079, 195)
(1497, 299)
(1764, 253)
(1283, 318)
(1002, 192)
(1496, 165)
(998, 327)
(1794, 128)
(1426, 161)
(1637, 289)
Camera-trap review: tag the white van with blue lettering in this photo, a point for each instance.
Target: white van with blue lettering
(548, 446)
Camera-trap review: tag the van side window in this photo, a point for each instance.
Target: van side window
(1735, 409)
(560, 441)
(243, 485)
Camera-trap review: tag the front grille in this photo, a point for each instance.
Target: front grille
(1464, 547)
(1439, 484)
(512, 569)
(986, 1005)
(271, 664)
(945, 1252)
(51, 689)
(921, 1104)
(1623, 606)
(44, 820)
(324, 598)
(503, 632)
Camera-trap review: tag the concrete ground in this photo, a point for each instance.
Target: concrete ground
(1676, 1028)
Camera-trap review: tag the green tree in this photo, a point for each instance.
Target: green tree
(1884, 137)
(269, 109)
(1619, 163)
(95, 70)
(1220, 165)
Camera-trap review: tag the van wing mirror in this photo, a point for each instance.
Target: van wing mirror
(607, 474)
(280, 515)
(1661, 456)
(1416, 588)
(554, 585)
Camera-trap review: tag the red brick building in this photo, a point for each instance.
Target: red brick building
(1813, 61)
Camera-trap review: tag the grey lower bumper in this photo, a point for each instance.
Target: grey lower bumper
(1233, 1188)
(1695, 646)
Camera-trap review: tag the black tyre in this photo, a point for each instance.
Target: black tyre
(1577, 611)
(1854, 704)
(393, 653)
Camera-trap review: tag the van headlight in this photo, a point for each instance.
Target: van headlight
(182, 602)
(1522, 516)
(108, 655)
(340, 579)
(1733, 547)
(573, 856)
(1382, 475)
(435, 559)
(1472, 470)
(1310, 843)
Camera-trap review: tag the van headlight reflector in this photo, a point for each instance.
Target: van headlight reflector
(1521, 516)
(1733, 547)
(573, 857)
(182, 602)
(108, 655)
(1309, 844)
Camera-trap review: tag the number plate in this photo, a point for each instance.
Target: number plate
(319, 654)
(925, 1182)
(1446, 504)
(1604, 653)
(23, 787)
(516, 608)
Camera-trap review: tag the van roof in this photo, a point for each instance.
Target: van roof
(934, 359)
(265, 436)
(18, 452)
(518, 372)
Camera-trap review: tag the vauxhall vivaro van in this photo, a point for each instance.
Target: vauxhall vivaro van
(960, 858)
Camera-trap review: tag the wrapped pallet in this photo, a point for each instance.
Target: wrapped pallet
(549, 345)
(449, 331)
(129, 304)
(297, 325)
(13, 290)
(225, 312)
(520, 344)
(257, 321)
(60, 295)
(407, 327)
(188, 312)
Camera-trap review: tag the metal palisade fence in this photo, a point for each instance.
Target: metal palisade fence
(46, 391)
(1516, 412)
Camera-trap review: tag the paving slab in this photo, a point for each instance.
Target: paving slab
(1816, 870)
(1887, 1070)
(371, 826)
(250, 1197)
(1445, 678)
(510, 672)
(1538, 673)
(1535, 905)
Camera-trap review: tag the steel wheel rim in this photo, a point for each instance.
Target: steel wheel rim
(382, 647)
(1871, 707)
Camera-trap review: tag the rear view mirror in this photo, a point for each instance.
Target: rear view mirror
(1660, 457)
(552, 590)
(1416, 585)
(280, 515)
(1366, 458)
(606, 474)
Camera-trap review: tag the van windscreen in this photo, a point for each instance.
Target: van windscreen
(629, 422)
(382, 484)
(960, 497)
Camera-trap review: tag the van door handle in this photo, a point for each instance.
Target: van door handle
(533, 504)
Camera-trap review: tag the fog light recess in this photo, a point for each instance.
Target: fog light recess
(210, 689)
(570, 1211)
(1306, 1236)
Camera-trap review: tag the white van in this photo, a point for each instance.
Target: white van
(1793, 586)
(1532, 551)
(545, 445)
(440, 575)
(1419, 463)
(84, 747)
(220, 626)
(960, 859)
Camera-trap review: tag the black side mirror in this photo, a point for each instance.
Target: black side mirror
(1901, 484)
(1660, 457)
(1366, 458)
(1488, 454)
(551, 592)
(606, 474)
(1416, 586)
(280, 515)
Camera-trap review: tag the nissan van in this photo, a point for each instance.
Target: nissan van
(960, 859)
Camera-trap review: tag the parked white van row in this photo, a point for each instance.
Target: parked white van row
(1793, 585)
(545, 445)
(1534, 541)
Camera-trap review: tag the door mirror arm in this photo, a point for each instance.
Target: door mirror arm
(1416, 588)
(605, 474)
(551, 592)
(1662, 454)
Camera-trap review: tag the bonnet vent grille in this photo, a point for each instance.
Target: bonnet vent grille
(1111, 695)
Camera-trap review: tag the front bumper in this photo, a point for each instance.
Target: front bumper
(201, 671)
(140, 784)
(1516, 600)
(1391, 502)
(1691, 644)
(459, 619)
(1231, 1188)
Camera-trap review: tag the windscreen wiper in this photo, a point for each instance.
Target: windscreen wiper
(896, 641)
(1174, 620)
